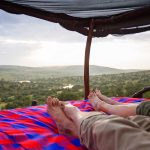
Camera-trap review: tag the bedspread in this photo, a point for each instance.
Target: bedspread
(32, 128)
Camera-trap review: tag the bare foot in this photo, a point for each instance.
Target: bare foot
(105, 98)
(100, 105)
(64, 124)
(95, 101)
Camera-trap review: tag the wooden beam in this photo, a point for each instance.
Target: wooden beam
(86, 59)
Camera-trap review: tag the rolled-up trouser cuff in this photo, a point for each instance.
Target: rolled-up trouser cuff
(143, 108)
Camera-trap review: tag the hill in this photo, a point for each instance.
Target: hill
(28, 73)
(16, 94)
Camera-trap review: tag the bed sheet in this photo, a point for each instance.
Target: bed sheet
(32, 128)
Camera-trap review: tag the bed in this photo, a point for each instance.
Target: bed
(32, 128)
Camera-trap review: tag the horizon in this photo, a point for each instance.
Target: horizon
(31, 42)
(72, 65)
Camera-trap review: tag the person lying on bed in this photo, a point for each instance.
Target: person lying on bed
(103, 103)
(99, 131)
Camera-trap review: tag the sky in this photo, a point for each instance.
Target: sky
(28, 41)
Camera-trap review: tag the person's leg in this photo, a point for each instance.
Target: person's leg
(142, 121)
(104, 132)
(64, 124)
(106, 99)
(77, 116)
(120, 110)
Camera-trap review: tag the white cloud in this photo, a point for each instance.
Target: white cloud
(121, 53)
(54, 53)
(29, 41)
(30, 28)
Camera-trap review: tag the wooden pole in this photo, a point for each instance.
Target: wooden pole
(86, 59)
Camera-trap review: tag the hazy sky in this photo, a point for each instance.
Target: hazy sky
(29, 41)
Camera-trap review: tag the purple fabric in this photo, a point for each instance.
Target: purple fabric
(32, 128)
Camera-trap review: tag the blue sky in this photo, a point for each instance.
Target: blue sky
(29, 41)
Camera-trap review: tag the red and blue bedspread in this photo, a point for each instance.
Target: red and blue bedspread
(32, 128)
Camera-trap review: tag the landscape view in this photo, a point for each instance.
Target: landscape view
(74, 74)
(19, 85)
(39, 58)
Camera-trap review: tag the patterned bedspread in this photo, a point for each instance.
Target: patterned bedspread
(32, 128)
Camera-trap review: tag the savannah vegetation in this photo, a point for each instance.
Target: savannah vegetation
(15, 94)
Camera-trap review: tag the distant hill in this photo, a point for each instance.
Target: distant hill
(28, 73)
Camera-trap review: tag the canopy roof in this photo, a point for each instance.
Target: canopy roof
(110, 16)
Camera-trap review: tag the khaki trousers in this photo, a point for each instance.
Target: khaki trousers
(111, 132)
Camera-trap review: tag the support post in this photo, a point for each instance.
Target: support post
(86, 59)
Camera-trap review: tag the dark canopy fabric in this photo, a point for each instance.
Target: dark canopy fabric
(110, 16)
(85, 8)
